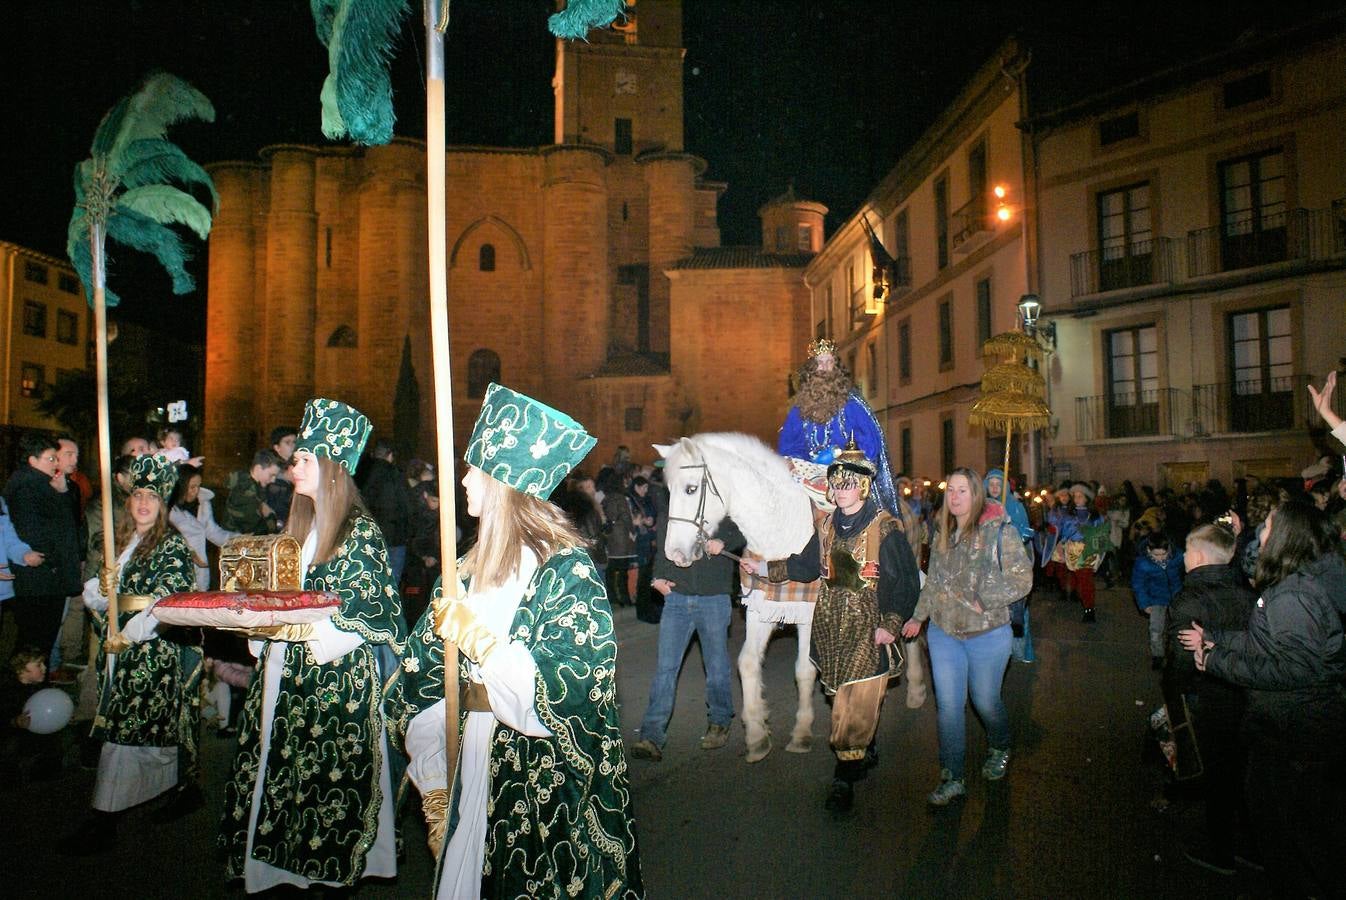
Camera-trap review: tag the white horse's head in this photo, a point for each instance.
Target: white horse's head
(695, 504)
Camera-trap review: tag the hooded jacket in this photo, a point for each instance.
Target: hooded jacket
(1293, 661)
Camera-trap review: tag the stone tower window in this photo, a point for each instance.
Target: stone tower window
(483, 367)
(486, 258)
(343, 336)
(622, 138)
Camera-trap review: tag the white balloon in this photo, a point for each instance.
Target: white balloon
(48, 710)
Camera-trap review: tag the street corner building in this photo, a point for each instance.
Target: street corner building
(588, 273)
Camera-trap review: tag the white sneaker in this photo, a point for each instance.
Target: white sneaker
(949, 789)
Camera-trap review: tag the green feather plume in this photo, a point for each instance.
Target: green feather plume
(580, 16)
(357, 96)
(127, 184)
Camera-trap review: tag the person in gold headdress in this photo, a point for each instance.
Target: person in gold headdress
(870, 586)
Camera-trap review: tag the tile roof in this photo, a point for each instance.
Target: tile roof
(741, 258)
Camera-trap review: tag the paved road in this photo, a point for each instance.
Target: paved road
(1072, 819)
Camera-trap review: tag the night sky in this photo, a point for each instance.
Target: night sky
(825, 94)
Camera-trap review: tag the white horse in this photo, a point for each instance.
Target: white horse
(716, 474)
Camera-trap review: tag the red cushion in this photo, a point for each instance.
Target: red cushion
(252, 601)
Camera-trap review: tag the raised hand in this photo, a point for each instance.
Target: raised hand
(1322, 400)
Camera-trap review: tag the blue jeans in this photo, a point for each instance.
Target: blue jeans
(709, 618)
(977, 663)
(397, 561)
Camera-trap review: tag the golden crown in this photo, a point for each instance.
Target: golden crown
(822, 347)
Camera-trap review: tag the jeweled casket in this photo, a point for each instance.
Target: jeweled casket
(267, 562)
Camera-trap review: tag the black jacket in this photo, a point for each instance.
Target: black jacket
(709, 575)
(386, 496)
(1292, 660)
(43, 518)
(1219, 599)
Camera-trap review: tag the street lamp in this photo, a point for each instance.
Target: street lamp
(1029, 308)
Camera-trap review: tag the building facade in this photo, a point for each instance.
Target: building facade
(44, 333)
(1192, 256)
(563, 262)
(951, 215)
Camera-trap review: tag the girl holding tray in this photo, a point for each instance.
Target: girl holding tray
(310, 801)
(149, 706)
(542, 792)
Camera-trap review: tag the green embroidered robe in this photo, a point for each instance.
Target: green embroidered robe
(153, 697)
(320, 796)
(559, 821)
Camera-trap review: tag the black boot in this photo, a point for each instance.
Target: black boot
(840, 796)
(97, 835)
(184, 801)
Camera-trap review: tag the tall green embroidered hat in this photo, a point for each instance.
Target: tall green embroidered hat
(525, 444)
(334, 430)
(154, 473)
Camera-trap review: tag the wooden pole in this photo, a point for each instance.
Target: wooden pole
(436, 22)
(113, 643)
(1004, 482)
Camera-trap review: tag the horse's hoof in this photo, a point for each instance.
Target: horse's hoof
(759, 751)
(801, 744)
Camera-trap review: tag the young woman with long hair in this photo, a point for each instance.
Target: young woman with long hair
(543, 799)
(311, 798)
(1292, 661)
(978, 567)
(149, 703)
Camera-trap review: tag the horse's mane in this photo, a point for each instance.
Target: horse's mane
(762, 497)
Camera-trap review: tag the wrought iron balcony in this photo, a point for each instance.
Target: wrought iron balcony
(1293, 235)
(1267, 404)
(1124, 415)
(1143, 263)
(971, 224)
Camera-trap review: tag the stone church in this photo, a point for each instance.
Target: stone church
(587, 273)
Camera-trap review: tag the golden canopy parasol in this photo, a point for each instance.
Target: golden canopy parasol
(1013, 392)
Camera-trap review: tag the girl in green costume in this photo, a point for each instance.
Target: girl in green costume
(149, 706)
(539, 805)
(310, 801)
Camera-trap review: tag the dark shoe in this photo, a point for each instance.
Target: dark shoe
(185, 801)
(644, 749)
(1156, 663)
(90, 752)
(225, 731)
(1088, 616)
(948, 790)
(97, 835)
(840, 796)
(715, 737)
(1209, 861)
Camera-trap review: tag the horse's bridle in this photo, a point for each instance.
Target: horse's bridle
(699, 523)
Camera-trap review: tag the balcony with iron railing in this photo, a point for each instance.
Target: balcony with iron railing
(1126, 415)
(972, 224)
(1240, 407)
(1277, 244)
(1139, 264)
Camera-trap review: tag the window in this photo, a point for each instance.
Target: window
(855, 283)
(32, 381)
(1253, 210)
(904, 446)
(67, 327)
(34, 318)
(946, 333)
(621, 141)
(1125, 241)
(942, 223)
(976, 176)
(638, 276)
(486, 258)
(635, 418)
(68, 283)
(820, 330)
(1261, 370)
(904, 351)
(872, 364)
(805, 239)
(831, 313)
(983, 312)
(1248, 89)
(1119, 128)
(483, 367)
(900, 233)
(782, 238)
(342, 336)
(1133, 381)
(947, 451)
(34, 272)
(327, 247)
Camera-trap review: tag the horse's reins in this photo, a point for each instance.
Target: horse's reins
(699, 523)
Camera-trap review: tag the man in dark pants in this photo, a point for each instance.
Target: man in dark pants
(385, 493)
(43, 518)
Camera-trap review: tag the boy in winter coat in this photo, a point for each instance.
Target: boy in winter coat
(1156, 578)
